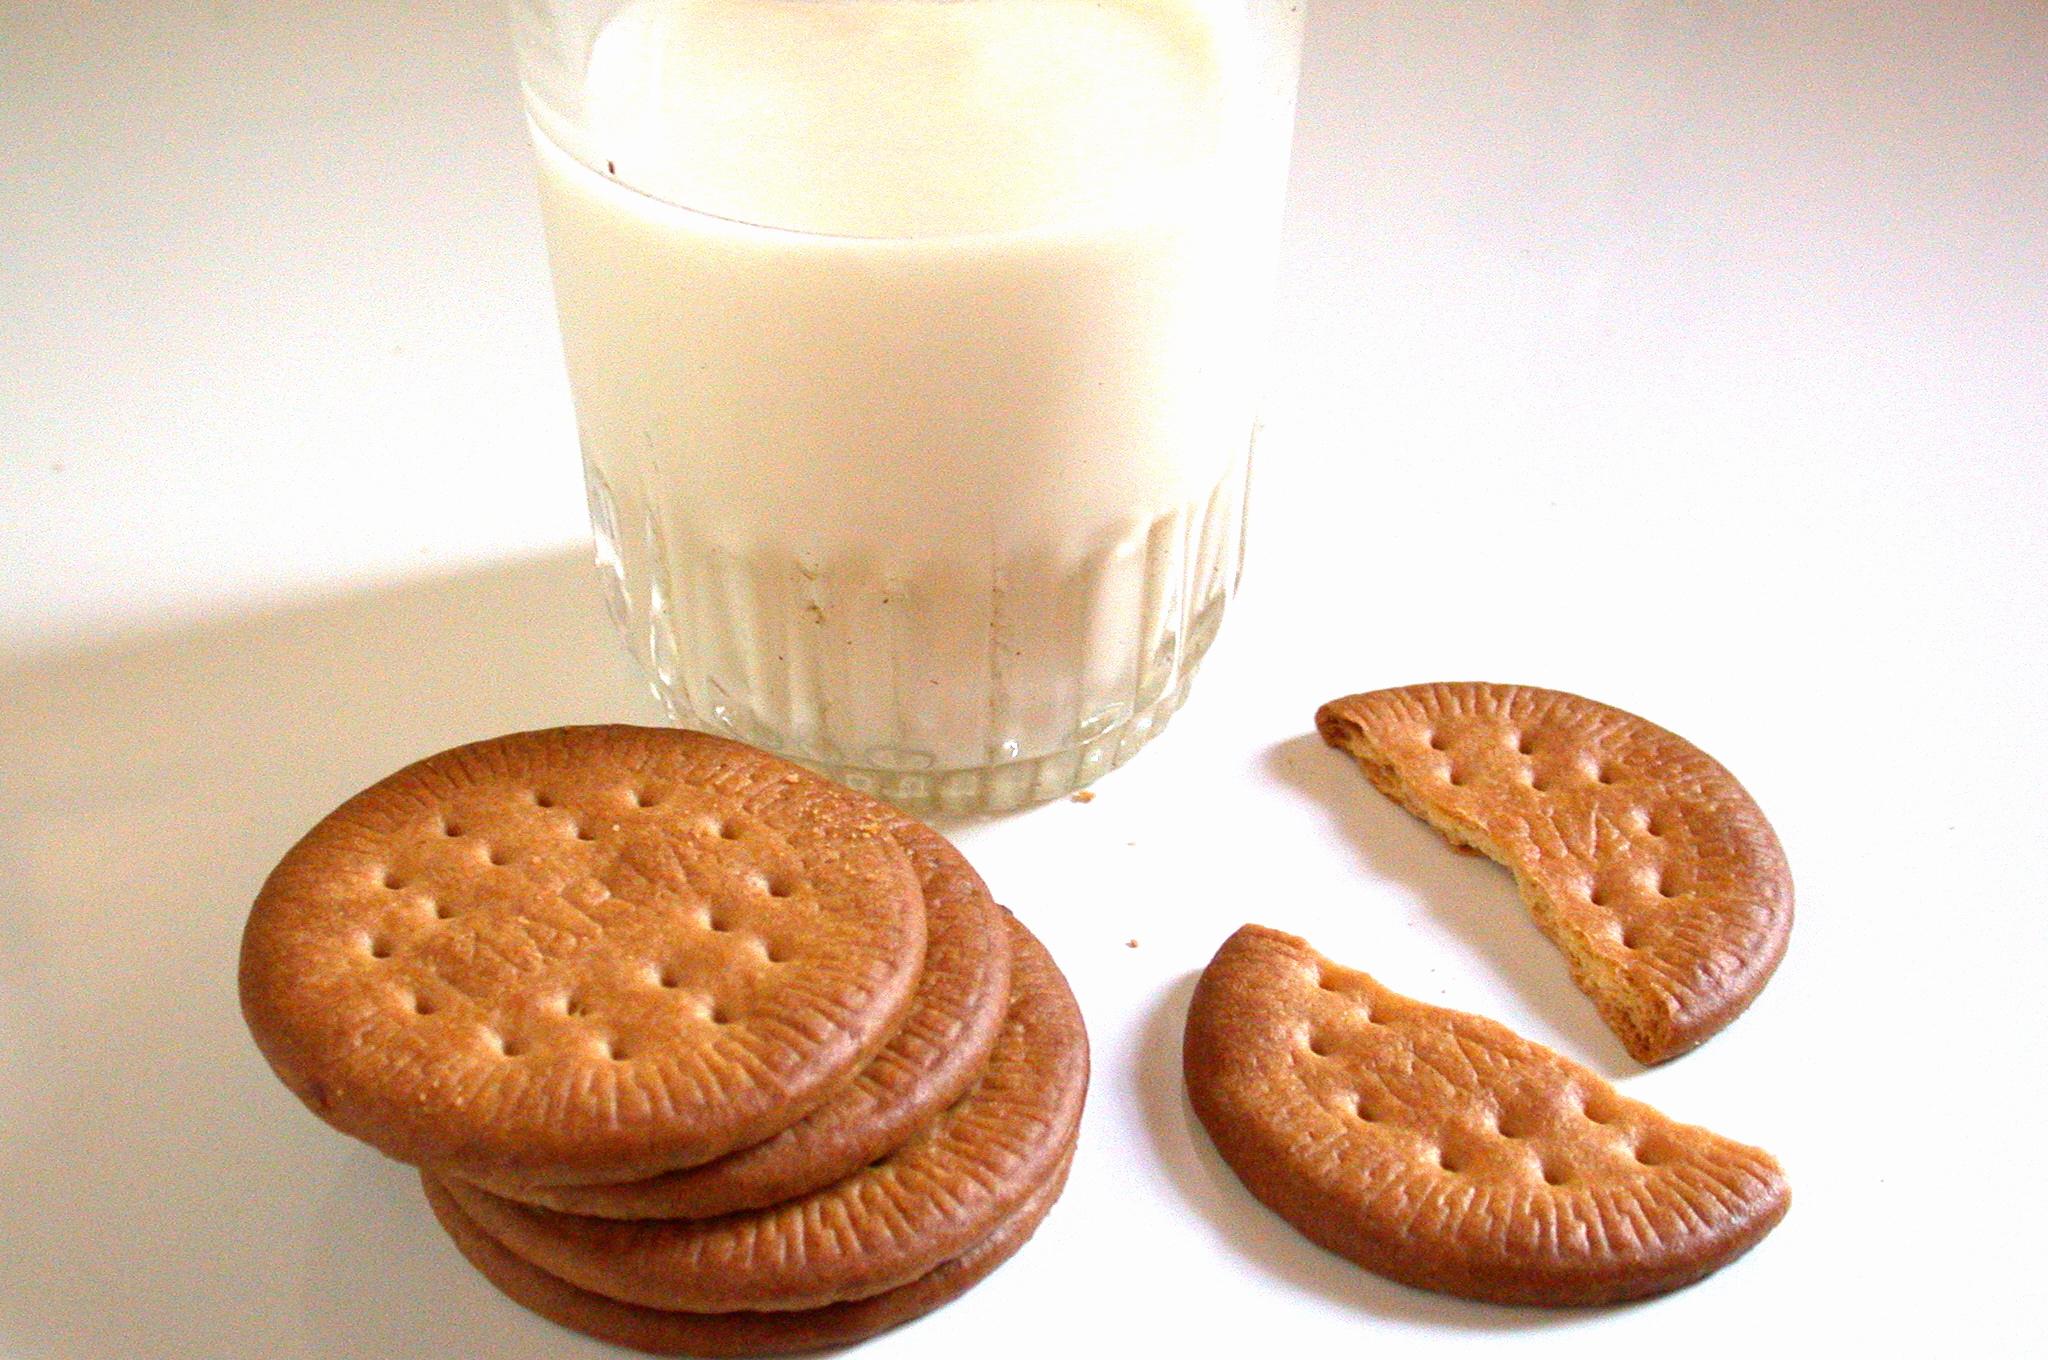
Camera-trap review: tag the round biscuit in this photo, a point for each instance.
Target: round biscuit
(582, 954)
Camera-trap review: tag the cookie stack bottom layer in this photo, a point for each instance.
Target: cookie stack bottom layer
(887, 1243)
(661, 1332)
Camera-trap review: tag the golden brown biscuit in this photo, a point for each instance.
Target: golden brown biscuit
(1642, 859)
(884, 1226)
(1443, 1150)
(939, 1051)
(660, 1332)
(589, 953)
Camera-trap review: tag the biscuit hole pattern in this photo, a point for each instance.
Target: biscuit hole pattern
(1525, 744)
(584, 833)
(497, 858)
(571, 1004)
(451, 829)
(543, 800)
(392, 880)
(667, 977)
(774, 885)
(442, 911)
(508, 1048)
(645, 798)
(1455, 776)
(1602, 774)
(1437, 742)
(613, 1049)
(1554, 1174)
(727, 831)
(1449, 1162)
(1318, 1045)
(422, 1006)
(379, 946)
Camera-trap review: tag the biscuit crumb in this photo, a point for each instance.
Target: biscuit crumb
(1082, 797)
(1130, 944)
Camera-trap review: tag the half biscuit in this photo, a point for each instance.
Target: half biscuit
(1445, 1151)
(1641, 858)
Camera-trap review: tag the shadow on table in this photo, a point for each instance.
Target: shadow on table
(1473, 896)
(1262, 1238)
(160, 1193)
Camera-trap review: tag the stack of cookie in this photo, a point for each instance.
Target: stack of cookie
(697, 1052)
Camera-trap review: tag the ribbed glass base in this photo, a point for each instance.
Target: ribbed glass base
(956, 684)
(999, 788)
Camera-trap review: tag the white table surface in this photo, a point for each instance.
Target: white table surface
(1691, 357)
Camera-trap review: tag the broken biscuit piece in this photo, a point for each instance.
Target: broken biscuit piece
(1640, 856)
(1445, 1151)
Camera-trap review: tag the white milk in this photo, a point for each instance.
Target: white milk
(915, 369)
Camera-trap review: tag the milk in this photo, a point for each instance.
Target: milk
(914, 356)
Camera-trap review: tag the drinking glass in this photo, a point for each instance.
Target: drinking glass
(915, 348)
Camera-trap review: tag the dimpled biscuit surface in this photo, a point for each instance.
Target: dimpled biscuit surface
(582, 954)
(1640, 856)
(1442, 1150)
(661, 1332)
(885, 1225)
(939, 1051)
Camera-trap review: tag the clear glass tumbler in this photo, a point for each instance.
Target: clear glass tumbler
(916, 347)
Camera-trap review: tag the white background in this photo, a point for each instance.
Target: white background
(1687, 356)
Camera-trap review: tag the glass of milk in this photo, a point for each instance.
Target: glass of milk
(916, 347)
